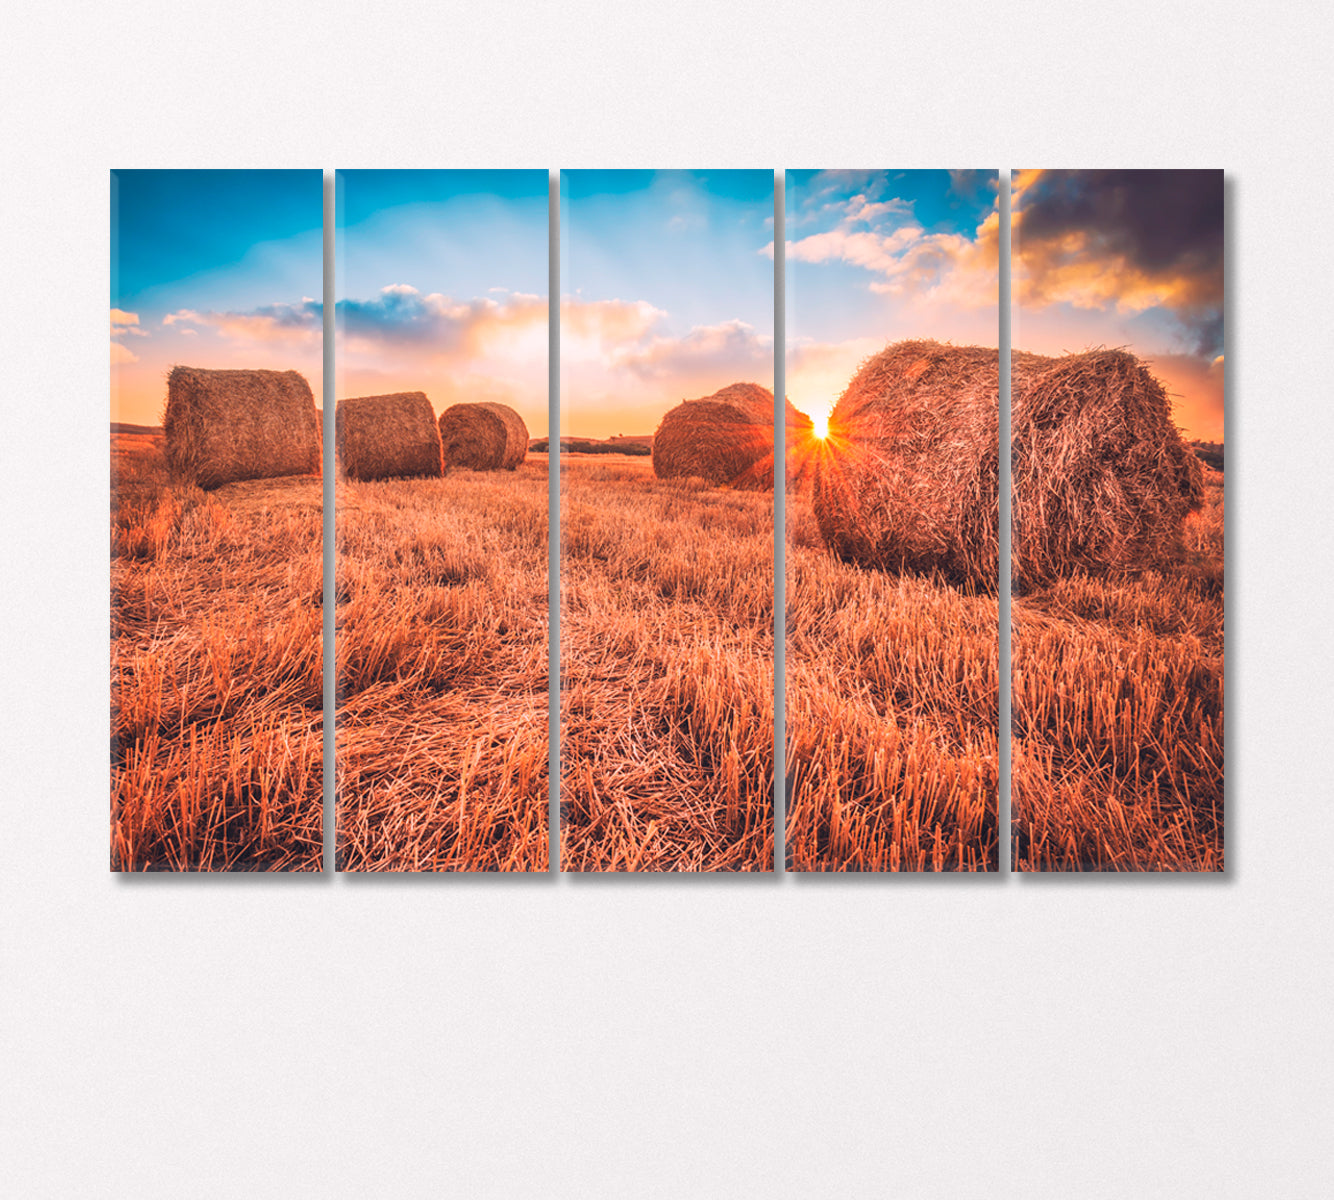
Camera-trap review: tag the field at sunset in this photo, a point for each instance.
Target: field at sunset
(667, 671)
(216, 668)
(1118, 714)
(892, 712)
(442, 672)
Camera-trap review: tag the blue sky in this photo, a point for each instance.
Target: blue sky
(875, 256)
(667, 292)
(442, 286)
(211, 269)
(462, 233)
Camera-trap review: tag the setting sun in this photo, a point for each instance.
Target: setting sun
(821, 423)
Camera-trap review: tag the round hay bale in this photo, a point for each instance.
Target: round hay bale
(225, 426)
(386, 437)
(907, 479)
(726, 438)
(483, 436)
(1102, 478)
(800, 435)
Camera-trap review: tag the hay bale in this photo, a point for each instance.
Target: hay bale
(800, 437)
(386, 437)
(225, 426)
(726, 438)
(1102, 476)
(483, 436)
(908, 479)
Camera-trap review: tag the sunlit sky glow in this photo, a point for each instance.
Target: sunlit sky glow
(442, 283)
(667, 292)
(667, 280)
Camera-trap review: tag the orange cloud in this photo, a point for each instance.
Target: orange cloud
(126, 322)
(285, 324)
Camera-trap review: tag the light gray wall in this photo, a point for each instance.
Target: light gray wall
(1082, 1037)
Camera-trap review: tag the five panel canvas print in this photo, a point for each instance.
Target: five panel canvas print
(893, 422)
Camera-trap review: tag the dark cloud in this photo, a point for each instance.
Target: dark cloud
(404, 316)
(1157, 227)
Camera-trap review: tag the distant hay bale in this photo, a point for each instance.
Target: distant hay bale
(387, 437)
(225, 426)
(1102, 477)
(908, 479)
(483, 436)
(726, 438)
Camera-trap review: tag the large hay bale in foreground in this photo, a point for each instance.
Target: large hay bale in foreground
(225, 426)
(1102, 477)
(726, 438)
(483, 436)
(387, 437)
(908, 479)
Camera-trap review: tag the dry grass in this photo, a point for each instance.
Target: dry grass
(892, 714)
(667, 681)
(442, 716)
(1118, 714)
(216, 669)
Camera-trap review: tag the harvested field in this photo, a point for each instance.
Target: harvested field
(1118, 714)
(216, 669)
(442, 715)
(667, 676)
(892, 715)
